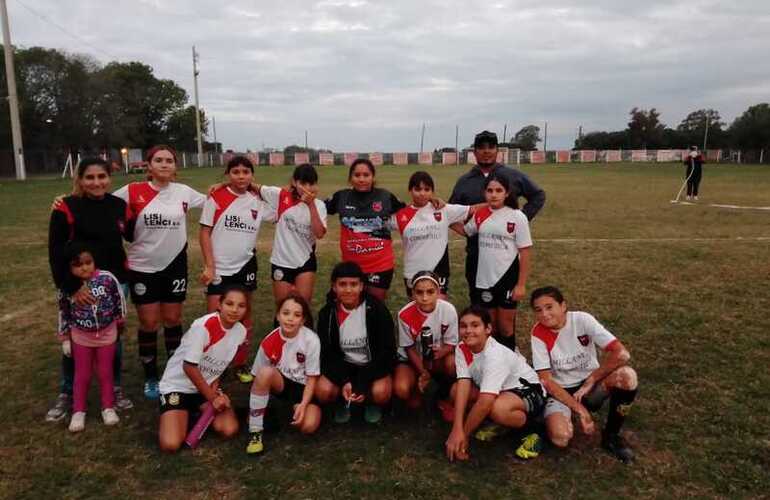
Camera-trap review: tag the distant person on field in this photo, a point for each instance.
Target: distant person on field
(694, 173)
(469, 190)
(564, 354)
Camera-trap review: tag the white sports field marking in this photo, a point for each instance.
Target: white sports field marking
(19, 312)
(640, 240)
(718, 205)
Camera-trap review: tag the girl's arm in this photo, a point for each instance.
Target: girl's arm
(557, 392)
(617, 356)
(443, 351)
(316, 224)
(525, 264)
(207, 250)
(217, 399)
(457, 442)
(459, 228)
(479, 412)
(416, 359)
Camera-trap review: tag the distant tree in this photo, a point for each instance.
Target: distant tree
(180, 129)
(751, 130)
(603, 140)
(693, 128)
(645, 129)
(528, 137)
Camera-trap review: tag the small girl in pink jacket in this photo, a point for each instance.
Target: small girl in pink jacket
(90, 332)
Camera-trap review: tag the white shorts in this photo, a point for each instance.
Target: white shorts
(592, 401)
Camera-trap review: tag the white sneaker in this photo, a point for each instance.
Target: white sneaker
(688, 197)
(110, 417)
(78, 422)
(695, 198)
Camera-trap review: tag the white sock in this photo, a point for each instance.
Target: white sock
(257, 406)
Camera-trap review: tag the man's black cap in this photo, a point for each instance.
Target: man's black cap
(485, 137)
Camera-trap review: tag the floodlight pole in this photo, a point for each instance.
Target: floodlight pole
(197, 107)
(214, 125)
(545, 138)
(505, 131)
(13, 98)
(706, 133)
(305, 140)
(422, 137)
(457, 144)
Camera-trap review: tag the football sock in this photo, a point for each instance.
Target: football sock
(257, 407)
(172, 336)
(148, 353)
(620, 405)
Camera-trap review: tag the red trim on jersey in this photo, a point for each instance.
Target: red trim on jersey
(413, 317)
(404, 217)
(373, 254)
(609, 346)
(223, 197)
(286, 200)
(547, 335)
(342, 314)
(216, 332)
(481, 215)
(467, 353)
(272, 346)
(65, 209)
(140, 194)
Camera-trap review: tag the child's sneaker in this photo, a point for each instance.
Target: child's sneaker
(255, 445)
(491, 431)
(78, 422)
(151, 389)
(121, 400)
(110, 417)
(618, 447)
(372, 414)
(342, 413)
(60, 408)
(530, 447)
(244, 375)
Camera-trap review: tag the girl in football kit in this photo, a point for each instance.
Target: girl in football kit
(427, 336)
(191, 377)
(564, 354)
(424, 231)
(89, 332)
(505, 248)
(288, 365)
(365, 239)
(157, 256)
(301, 220)
(230, 223)
(493, 382)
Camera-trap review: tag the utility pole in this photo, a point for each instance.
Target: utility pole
(305, 140)
(457, 144)
(580, 136)
(422, 137)
(706, 134)
(214, 125)
(13, 98)
(197, 108)
(505, 132)
(545, 138)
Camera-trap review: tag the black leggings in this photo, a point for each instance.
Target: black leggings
(693, 179)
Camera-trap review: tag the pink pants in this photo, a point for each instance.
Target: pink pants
(85, 358)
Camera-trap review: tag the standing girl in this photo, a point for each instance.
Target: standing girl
(504, 246)
(230, 224)
(301, 221)
(288, 365)
(191, 378)
(365, 239)
(90, 332)
(157, 256)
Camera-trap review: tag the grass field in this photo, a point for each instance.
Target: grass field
(686, 288)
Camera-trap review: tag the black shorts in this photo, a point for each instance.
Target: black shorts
(168, 285)
(289, 275)
(533, 397)
(500, 295)
(441, 270)
(181, 401)
(381, 279)
(292, 391)
(349, 373)
(246, 277)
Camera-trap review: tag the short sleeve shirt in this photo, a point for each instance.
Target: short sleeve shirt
(296, 358)
(441, 323)
(495, 369)
(354, 341)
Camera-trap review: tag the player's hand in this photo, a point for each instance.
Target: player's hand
(66, 348)
(214, 187)
(518, 292)
(349, 395)
(437, 203)
(207, 275)
(585, 420)
(221, 402)
(84, 297)
(423, 381)
(307, 196)
(57, 202)
(457, 445)
(299, 414)
(584, 389)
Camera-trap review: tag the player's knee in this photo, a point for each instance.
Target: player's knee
(627, 378)
(229, 429)
(326, 392)
(169, 444)
(262, 379)
(402, 387)
(312, 420)
(560, 437)
(381, 393)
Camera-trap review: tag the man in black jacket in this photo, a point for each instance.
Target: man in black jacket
(358, 346)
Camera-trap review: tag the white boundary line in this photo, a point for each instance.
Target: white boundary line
(636, 240)
(718, 205)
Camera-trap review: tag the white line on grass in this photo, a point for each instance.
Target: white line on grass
(718, 205)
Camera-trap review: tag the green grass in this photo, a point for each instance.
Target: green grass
(676, 284)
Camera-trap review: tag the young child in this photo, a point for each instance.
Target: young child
(425, 231)
(497, 380)
(427, 336)
(90, 332)
(504, 248)
(191, 378)
(230, 224)
(358, 347)
(301, 220)
(564, 354)
(288, 365)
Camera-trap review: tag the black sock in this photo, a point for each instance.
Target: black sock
(148, 353)
(620, 405)
(172, 335)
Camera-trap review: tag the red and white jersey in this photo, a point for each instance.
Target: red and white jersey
(353, 339)
(159, 218)
(502, 232)
(495, 369)
(570, 353)
(294, 239)
(441, 322)
(425, 234)
(235, 220)
(296, 358)
(206, 344)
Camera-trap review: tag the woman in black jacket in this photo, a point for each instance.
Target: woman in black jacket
(358, 346)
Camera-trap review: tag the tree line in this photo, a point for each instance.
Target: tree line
(72, 102)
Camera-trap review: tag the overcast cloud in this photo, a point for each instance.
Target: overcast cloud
(363, 75)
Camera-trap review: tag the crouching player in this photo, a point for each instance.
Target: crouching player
(192, 374)
(564, 355)
(499, 382)
(288, 364)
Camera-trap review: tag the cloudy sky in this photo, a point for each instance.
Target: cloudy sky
(364, 75)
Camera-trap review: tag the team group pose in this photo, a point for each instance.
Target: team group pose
(355, 359)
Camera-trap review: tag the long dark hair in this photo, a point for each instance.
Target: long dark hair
(511, 197)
